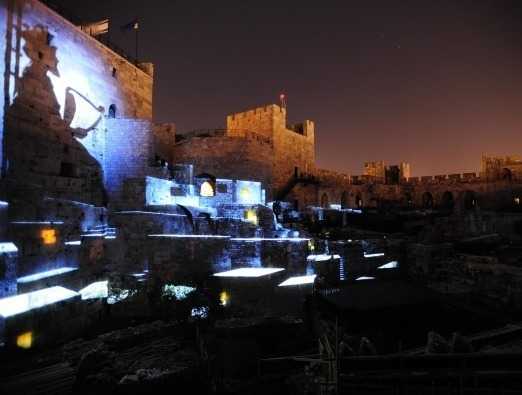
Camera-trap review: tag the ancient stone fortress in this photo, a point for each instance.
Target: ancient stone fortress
(97, 201)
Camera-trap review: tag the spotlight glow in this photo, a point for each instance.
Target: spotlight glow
(389, 265)
(299, 280)
(25, 340)
(46, 274)
(48, 236)
(249, 272)
(73, 243)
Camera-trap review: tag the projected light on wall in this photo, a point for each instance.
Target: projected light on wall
(322, 257)
(374, 255)
(298, 280)
(364, 278)
(248, 192)
(179, 292)
(251, 216)
(46, 274)
(25, 340)
(23, 303)
(389, 265)
(252, 272)
(96, 290)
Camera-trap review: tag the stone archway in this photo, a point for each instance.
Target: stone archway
(447, 201)
(469, 200)
(427, 200)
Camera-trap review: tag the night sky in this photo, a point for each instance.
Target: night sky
(435, 83)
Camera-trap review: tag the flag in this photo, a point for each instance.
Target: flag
(132, 25)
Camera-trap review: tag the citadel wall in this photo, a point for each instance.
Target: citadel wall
(60, 87)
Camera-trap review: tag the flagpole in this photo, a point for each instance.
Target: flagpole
(136, 28)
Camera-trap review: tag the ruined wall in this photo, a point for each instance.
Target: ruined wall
(60, 86)
(228, 157)
(164, 141)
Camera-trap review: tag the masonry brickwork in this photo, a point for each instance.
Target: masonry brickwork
(61, 86)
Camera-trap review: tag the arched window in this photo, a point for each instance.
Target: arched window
(324, 201)
(112, 111)
(427, 200)
(207, 190)
(470, 200)
(358, 201)
(447, 201)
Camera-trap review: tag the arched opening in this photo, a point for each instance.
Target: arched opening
(112, 111)
(427, 200)
(507, 174)
(470, 200)
(447, 202)
(358, 201)
(408, 199)
(207, 190)
(324, 201)
(344, 200)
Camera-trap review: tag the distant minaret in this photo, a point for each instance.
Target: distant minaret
(282, 99)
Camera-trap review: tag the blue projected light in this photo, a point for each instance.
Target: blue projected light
(46, 274)
(280, 239)
(73, 243)
(250, 272)
(3, 204)
(180, 292)
(364, 278)
(23, 303)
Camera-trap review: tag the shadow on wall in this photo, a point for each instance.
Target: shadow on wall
(42, 149)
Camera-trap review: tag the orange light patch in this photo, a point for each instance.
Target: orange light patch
(48, 236)
(25, 340)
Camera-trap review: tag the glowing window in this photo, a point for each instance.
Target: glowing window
(48, 236)
(25, 340)
(206, 189)
(251, 216)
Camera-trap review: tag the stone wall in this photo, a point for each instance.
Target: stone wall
(227, 157)
(60, 87)
(164, 141)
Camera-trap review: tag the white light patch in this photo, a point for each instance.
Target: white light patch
(364, 278)
(378, 254)
(37, 222)
(23, 303)
(118, 297)
(3, 204)
(73, 243)
(389, 265)
(299, 280)
(322, 257)
(281, 239)
(97, 290)
(250, 272)
(46, 274)
(7, 247)
(180, 236)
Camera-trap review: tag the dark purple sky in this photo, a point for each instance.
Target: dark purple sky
(435, 83)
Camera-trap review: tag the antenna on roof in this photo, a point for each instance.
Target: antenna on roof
(282, 99)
